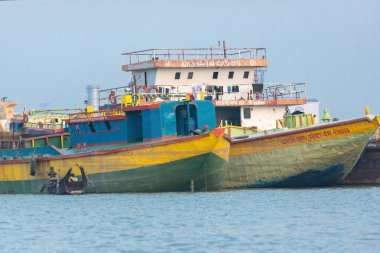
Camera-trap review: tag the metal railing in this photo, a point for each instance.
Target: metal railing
(18, 116)
(43, 126)
(270, 91)
(98, 114)
(285, 91)
(193, 54)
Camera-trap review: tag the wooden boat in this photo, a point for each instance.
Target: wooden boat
(69, 184)
(319, 155)
(149, 148)
(40, 122)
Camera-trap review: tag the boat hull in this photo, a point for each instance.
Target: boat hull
(173, 165)
(315, 156)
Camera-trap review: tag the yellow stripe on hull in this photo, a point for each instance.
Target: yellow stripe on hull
(118, 161)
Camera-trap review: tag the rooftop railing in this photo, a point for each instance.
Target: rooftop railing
(18, 117)
(193, 54)
(43, 126)
(98, 114)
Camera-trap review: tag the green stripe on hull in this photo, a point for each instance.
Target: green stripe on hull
(174, 176)
(22, 186)
(207, 171)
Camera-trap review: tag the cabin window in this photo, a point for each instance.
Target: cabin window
(177, 75)
(215, 75)
(92, 128)
(247, 113)
(230, 75)
(108, 125)
(246, 74)
(190, 75)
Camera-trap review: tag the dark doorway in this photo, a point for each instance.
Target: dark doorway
(185, 125)
(229, 114)
(134, 126)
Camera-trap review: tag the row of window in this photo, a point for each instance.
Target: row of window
(91, 127)
(214, 75)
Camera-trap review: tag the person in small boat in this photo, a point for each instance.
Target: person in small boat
(52, 173)
(73, 178)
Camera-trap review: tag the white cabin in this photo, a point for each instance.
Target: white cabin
(232, 77)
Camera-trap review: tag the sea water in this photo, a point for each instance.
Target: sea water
(280, 220)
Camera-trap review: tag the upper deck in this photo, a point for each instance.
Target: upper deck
(194, 58)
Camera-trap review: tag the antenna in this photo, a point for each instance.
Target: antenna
(224, 49)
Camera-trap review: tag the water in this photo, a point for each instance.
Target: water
(307, 220)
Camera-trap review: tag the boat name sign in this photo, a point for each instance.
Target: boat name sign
(316, 136)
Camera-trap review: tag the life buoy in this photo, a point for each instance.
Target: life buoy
(143, 89)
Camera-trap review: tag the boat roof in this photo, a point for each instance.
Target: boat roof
(194, 57)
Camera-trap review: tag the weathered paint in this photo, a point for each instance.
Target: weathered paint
(312, 156)
(165, 166)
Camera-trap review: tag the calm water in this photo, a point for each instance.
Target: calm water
(310, 220)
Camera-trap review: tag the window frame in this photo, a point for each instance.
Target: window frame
(247, 113)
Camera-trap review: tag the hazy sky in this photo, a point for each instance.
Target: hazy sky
(51, 50)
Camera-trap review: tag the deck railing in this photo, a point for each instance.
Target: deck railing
(193, 54)
(285, 91)
(18, 117)
(98, 114)
(43, 126)
(270, 91)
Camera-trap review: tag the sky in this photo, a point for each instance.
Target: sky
(50, 50)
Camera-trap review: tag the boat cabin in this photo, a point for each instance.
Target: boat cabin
(144, 123)
(233, 78)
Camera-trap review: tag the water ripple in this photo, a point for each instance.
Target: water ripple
(304, 220)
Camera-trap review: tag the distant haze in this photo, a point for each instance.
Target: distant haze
(51, 50)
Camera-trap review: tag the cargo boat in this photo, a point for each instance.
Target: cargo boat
(233, 78)
(147, 148)
(33, 123)
(320, 155)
